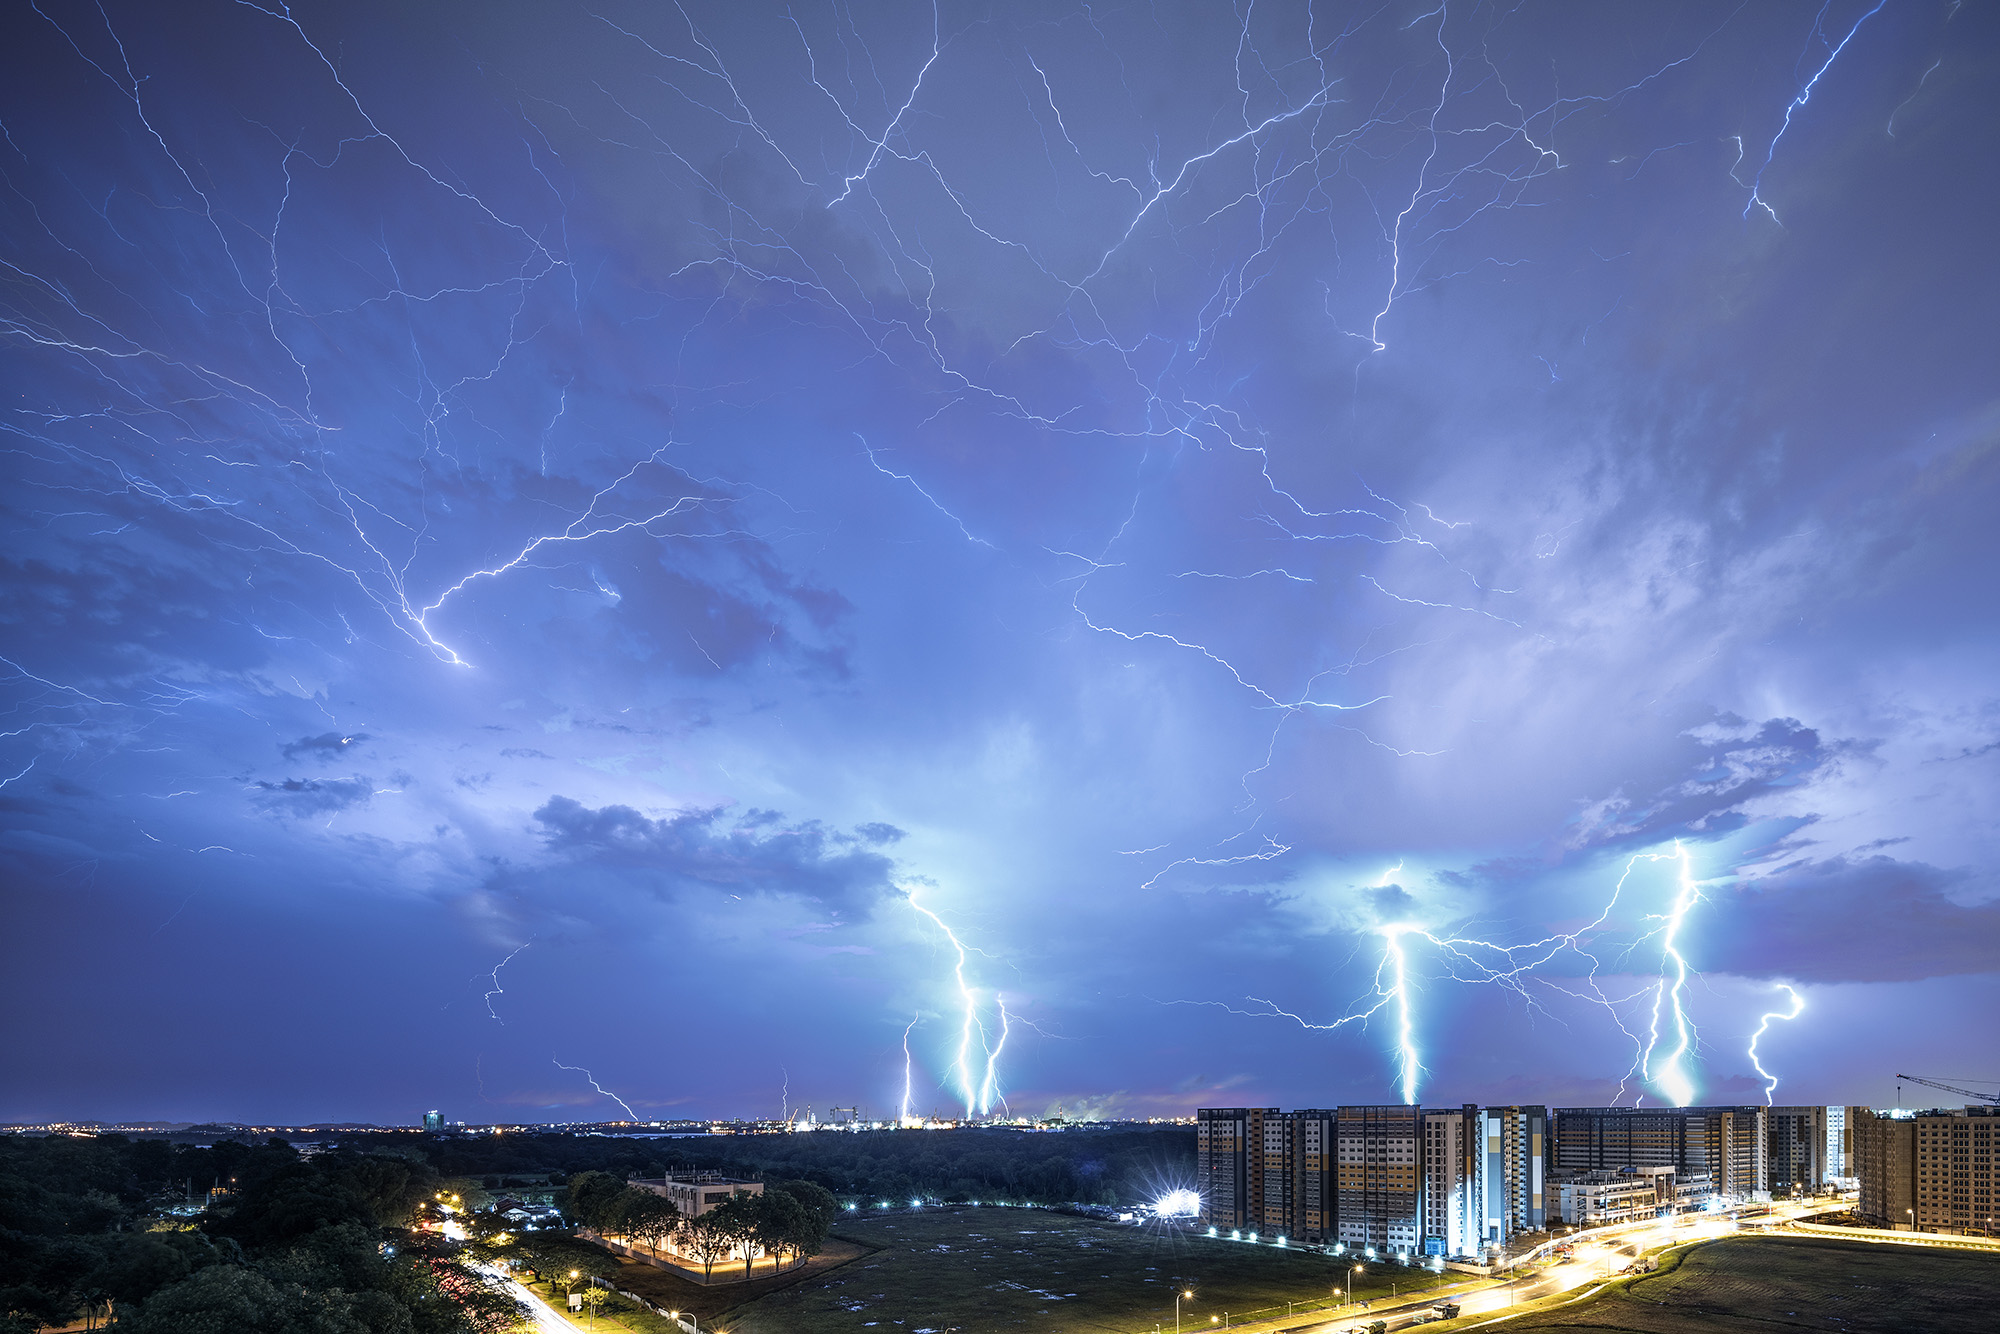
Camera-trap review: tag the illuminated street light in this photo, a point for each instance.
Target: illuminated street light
(1186, 1294)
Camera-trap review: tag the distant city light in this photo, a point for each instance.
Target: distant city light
(1178, 1204)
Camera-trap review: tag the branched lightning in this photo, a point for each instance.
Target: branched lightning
(1664, 1041)
(256, 464)
(977, 1077)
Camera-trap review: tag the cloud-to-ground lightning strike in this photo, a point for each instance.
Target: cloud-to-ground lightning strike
(577, 1069)
(251, 460)
(1663, 1047)
(1409, 1064)
(903, 1117)
(1798, 1007)
(978, 1088)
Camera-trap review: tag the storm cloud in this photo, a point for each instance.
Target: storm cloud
(1027, 502)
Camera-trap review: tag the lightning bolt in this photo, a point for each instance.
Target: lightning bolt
(909, 1089)
(577, 1069)
(1484, 962)
(497, 989)
(1409, 1064)
(1763, 1024)
(1670, 994)
(978, 1090)
(1756, 199)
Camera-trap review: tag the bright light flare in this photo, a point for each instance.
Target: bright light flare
(1178, 1204)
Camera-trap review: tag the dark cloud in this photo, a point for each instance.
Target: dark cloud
(752, 852)
(1726, 765)
(1391, 904)
(326, 746)
(1870, 919)
(312, 796)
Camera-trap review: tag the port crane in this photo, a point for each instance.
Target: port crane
(1993, 1098)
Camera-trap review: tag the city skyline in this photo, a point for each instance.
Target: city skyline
(587, 563)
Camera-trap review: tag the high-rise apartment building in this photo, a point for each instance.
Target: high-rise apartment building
(1958, 1174)
(1516, 1155)
(1885, 1158)
(1315, 1182)
(1839, 1160)
(1229, 1165)
(1484, 1177)
(1935, 1171)
(1377, 1166)
(1728, 1144)
(1455, 1182)
(1795, 1149)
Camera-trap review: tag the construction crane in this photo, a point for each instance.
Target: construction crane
(1993, 1098)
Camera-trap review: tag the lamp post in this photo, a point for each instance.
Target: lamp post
(1185, 1294)
(1350, 1284)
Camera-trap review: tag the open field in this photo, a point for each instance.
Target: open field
(975, 1269)
(1784, 1285)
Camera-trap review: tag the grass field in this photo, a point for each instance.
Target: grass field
(977, 1269)
(1784, 1285)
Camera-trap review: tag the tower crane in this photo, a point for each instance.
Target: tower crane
(1993, 1098)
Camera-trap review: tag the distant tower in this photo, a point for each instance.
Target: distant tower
(433, 1120)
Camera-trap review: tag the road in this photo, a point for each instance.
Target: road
(543, 1317)
(1600, 1253)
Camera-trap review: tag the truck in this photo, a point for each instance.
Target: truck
(1446, 1310)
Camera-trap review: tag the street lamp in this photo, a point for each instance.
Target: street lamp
(1186, 1294)
(1350, 1285)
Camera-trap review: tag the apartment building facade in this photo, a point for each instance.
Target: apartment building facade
(1451, 1182)
(1377, 1167)
(1795, 1152)
(1931, 1171)
(1729, 1145)
(1229, 1165)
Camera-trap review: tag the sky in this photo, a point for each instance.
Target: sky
(715, 558)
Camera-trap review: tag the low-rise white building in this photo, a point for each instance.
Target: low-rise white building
(1591, 1199)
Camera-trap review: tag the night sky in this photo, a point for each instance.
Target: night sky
(604, 537)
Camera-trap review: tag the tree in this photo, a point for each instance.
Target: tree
(551, 1254)
(740, 1218)
(589, 1198)
(707, 1239)
(649, 1218)
(807, 1216)
(782, 1223)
